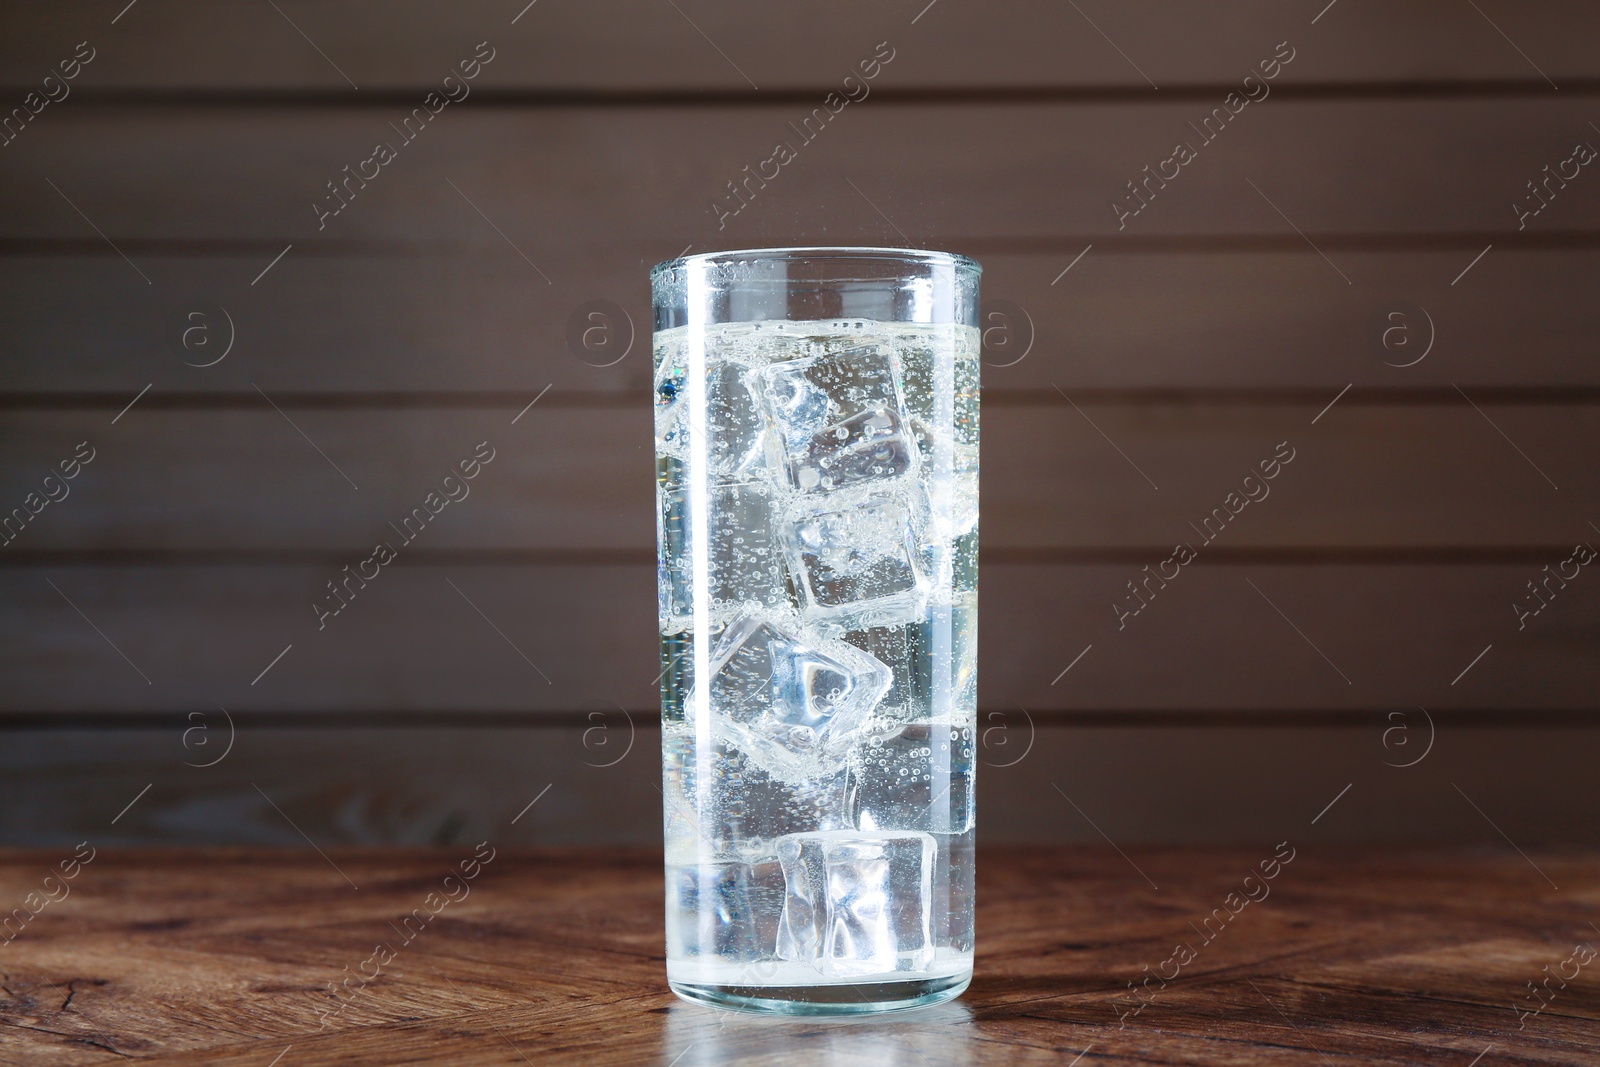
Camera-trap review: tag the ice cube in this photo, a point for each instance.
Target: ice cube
(934, 660)
(871, 445)
(745, 810)
(840, 418)
(964, 495)
(735, 428)
(964, 562)
(791, 700)
(857, 903)
(953, 886)
(854, 559)
(744, 560)
(893, 646)
(730, 911)
(916, 778)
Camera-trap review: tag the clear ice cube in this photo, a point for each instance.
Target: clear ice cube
(791, 700)
(744, 562)
(893, 645)
(871, 445)
(934, 658)
(735, 428)
(953, 886)
(854, 560)
(745, 810)
(840, 418)
(857, 903)
(730, 911)
(918, 777)
(964, 492)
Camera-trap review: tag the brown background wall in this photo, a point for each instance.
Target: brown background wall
(512, 647)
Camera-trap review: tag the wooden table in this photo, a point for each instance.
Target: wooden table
(237, 957)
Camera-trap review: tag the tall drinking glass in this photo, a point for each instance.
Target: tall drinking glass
(816, 418)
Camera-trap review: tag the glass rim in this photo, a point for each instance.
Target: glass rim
(955, 260)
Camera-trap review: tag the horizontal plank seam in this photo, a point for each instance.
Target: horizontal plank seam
(647, 719)
(1210, 244)
(809, 95)
(1020, 555)
(1577, 394)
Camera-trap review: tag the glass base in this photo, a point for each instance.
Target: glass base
(865, 998)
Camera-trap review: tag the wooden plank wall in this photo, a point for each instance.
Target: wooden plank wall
(265, 386)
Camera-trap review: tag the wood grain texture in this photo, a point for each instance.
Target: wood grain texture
(554, 957)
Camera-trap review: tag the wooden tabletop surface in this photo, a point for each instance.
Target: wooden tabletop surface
(265, 958)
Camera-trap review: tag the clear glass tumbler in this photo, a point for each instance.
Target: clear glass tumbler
(816, 418)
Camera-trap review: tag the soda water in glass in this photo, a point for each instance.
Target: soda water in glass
(816, 421)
